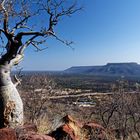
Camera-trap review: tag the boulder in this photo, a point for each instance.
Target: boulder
(7, 134)
(73, 130)
(70, 129)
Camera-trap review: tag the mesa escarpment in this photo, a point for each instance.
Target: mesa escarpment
(110, 69)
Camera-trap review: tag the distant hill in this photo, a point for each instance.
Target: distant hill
(110, 69)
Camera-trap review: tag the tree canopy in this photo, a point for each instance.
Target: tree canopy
(17, 21)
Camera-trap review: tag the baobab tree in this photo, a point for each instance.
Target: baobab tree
(17, 32)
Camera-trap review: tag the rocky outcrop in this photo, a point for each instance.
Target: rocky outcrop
(68, 129)
(73, 130)
(7, 134)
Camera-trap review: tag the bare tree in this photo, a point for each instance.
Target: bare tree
(17, 32)
(37, 87)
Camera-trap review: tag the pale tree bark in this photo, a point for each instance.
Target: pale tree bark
(11, 106)
(12, 112)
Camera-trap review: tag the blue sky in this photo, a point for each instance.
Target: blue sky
(105, 31)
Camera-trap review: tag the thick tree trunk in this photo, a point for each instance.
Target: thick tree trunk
(11, 106)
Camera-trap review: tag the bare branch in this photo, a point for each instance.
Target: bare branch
(30, 33)
(36, 46)
(27, 43)
(5, 23)
(23, 26)
(45, 33)
(17, 81)
(1, 30)
(20, 24)
(16, 60)
(56, 10)
(67, 43)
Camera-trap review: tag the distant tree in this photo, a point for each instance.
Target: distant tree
(17, 32)
(37, 87)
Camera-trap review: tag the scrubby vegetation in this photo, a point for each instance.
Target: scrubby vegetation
(117, 111)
